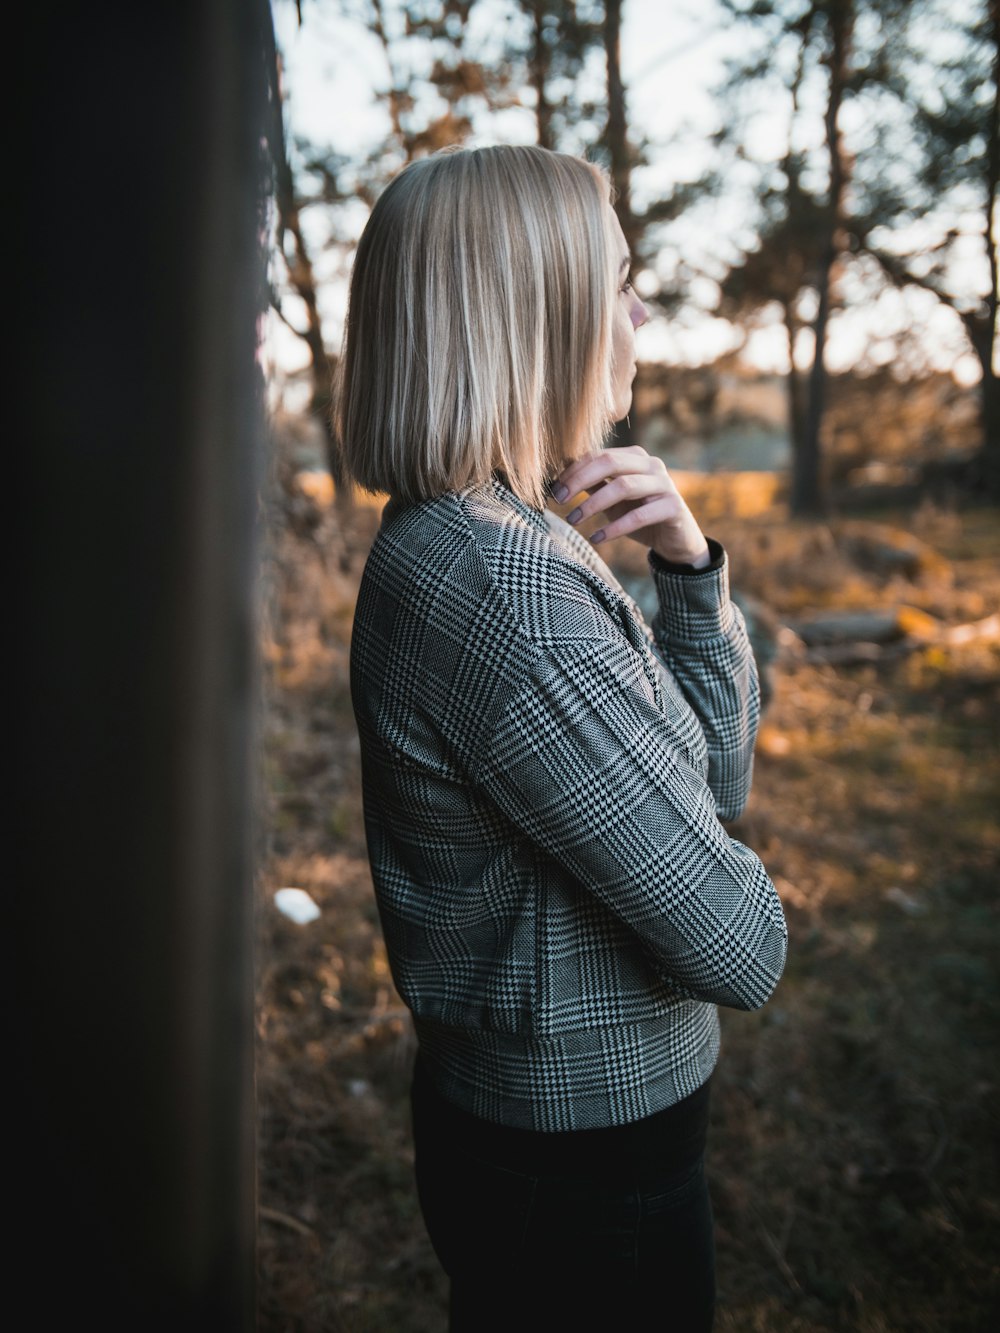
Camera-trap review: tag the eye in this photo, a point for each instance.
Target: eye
(626, 286)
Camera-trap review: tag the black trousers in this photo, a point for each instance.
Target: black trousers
(606, 1229)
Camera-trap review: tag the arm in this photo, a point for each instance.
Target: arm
(698, 632)
(584, 762)
(703, 641)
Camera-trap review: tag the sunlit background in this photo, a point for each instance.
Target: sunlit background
(809, 191)
(694, 74)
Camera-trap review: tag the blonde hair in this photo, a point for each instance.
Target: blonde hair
(479, 325)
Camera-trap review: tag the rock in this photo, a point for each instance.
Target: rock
(887, 551)
(905, 901)
(841, 627)
(847, 654)
(853, 637)
(297, 905)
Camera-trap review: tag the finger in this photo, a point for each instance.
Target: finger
(634, 520)
(630, 490)
(587, 473)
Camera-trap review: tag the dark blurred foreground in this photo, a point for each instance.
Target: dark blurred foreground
(137, 268)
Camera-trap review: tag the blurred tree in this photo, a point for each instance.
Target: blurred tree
(620, 162)
(549, 55)
(616, 138)
(781, 268)
(424, 46)
(835, 21)
(895, 186)
(938, 169)
(295, 252)
(446, 75)
(438, 81)
(804, 52)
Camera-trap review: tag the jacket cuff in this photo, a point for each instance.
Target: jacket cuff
(717, 557)
(694, 603)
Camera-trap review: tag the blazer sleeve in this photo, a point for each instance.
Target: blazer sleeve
(701, 638)
(584, 761)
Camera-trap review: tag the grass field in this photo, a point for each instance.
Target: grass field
(854, 1126)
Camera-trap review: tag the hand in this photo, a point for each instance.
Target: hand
(639, 497)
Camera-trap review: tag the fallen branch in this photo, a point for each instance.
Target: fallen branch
(284, 1220)
(783, 1265)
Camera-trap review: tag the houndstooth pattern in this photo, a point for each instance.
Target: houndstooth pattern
(544, 777)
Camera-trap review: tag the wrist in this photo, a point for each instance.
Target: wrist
(716, 559)
(703, 559)
(693, 556)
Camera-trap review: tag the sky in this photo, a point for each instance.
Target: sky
(672, 55)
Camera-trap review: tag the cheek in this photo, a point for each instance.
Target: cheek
(622, 339)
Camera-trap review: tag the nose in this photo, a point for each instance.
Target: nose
(638, 313)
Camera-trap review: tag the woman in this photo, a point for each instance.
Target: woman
(544, 776)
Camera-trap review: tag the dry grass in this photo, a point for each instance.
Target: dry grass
(854, 1121)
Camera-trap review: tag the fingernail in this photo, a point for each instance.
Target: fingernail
(561, 492)
(597, 537)
(574, 515)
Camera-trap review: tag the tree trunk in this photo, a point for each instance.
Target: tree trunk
(616, 140)
(807, 476)
(396, 94)
(808, 495)
(538, 68)
(989, 465)
(302, 278)
(796, 406)
(794, 203)
(616, 131)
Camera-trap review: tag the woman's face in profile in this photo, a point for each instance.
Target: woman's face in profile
(630, 314)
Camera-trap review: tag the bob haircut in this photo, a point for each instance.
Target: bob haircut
(478, 333)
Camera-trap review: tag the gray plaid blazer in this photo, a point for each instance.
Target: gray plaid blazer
(544, 778)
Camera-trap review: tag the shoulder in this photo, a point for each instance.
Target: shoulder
(484, 554)
(470, 612)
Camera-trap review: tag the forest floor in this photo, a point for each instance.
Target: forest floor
(852, 1149)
